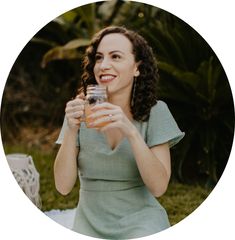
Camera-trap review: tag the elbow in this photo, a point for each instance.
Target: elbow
(158, 191)
(63, 184)
(63, 191)
(61, 187)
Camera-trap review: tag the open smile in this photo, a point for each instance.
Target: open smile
(106, 78)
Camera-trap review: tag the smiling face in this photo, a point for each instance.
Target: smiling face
(115, 65)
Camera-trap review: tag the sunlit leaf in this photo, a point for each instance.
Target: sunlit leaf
(68, 51)
(76, 43)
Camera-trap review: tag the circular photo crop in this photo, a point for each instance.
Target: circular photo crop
(137, 157)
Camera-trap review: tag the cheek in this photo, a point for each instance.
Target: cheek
(129, 72)
(95, 69)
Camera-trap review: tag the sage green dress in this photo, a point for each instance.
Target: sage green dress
(114, 203)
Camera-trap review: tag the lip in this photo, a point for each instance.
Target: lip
(107, 78)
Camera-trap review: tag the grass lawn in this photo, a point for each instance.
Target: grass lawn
(179, 201)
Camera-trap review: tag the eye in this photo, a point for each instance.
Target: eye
(98, 57)
(116, 56)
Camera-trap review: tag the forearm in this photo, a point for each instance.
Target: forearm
(65, 166)
(153, 172)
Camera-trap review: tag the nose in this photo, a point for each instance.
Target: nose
(105, 64)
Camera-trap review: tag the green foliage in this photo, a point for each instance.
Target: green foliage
(206, 98)
(64, 52)
(192, 81)
(180, 200)
(196, 88)
(84, 22)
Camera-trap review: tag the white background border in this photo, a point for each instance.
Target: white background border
(19, 21)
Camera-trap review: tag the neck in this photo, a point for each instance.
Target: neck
(122, 101)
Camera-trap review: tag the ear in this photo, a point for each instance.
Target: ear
(137, 72)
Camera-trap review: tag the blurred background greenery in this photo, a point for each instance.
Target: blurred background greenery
(46, 74)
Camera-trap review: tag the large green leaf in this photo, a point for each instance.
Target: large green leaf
(192, 80)
(68, 51)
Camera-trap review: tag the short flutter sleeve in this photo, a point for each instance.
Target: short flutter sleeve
(62, 131)
(162, 126)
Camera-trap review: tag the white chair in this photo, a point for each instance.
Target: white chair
(25, 173)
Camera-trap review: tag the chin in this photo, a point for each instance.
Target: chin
(110, 90)
(109, 86)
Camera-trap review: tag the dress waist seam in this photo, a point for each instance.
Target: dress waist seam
(108, 185)
(110, 190)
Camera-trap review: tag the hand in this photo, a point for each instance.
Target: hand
(74, 111)
(113, 116)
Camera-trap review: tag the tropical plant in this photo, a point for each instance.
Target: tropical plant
(194, 85)
(192, 79)
(42, 79)
(196, 88)
(203, 106)
(84, 22)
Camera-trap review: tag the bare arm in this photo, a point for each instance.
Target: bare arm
(154, 164)
(65, 166)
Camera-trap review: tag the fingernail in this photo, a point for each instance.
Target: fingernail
(90, 124)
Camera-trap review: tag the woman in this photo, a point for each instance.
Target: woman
(124, 165)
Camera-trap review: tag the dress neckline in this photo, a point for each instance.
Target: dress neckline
(117, 146)
(107, 145)
(104, 142)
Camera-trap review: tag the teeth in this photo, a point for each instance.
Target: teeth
(107, 77)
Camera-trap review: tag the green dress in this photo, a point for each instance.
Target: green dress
(114, 203)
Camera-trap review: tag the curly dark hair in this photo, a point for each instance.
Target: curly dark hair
(144, 90)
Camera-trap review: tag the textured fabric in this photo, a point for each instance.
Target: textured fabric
(114, 203)
(26, 175)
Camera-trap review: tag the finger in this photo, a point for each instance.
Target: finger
(109, 126)
(73, 123)
(106, 105)
(74, 109)
(72, 106)
(81, 96)
(78, 114)
(99, 121)
(75, 115)
(103, 112)
(78, 101)
(75, 102)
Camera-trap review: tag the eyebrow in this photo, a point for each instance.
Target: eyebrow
(114, 51)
